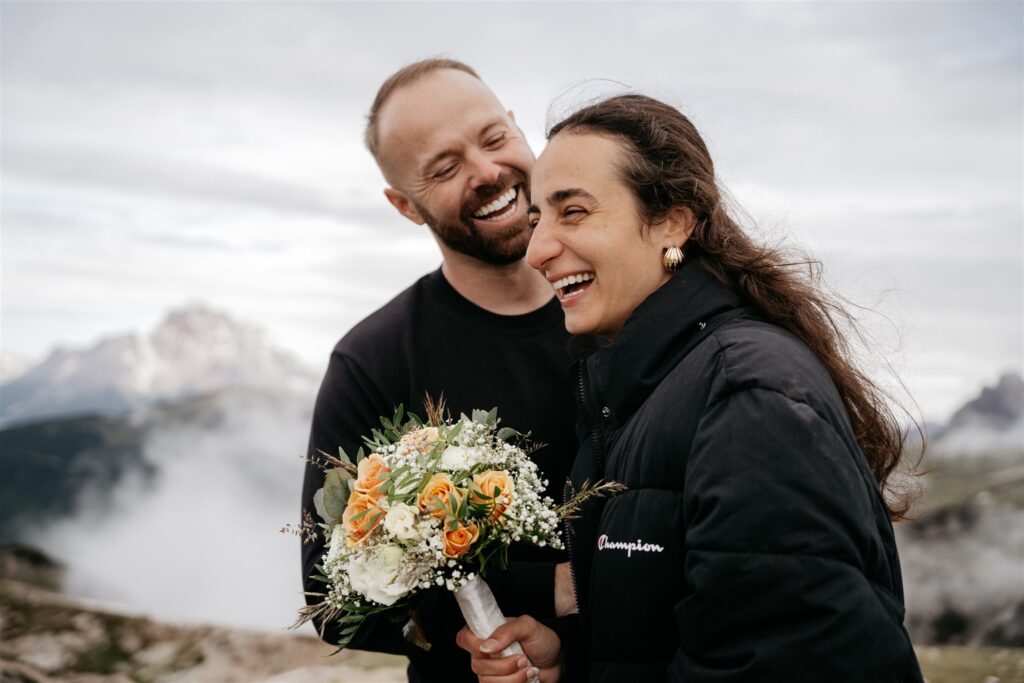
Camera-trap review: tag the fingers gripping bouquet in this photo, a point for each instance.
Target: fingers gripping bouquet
(434, 504)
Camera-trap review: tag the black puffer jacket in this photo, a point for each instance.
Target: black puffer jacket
(752, 543)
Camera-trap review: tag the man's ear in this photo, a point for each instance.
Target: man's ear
(404, 205)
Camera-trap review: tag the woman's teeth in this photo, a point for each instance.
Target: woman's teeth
(573, 279)
(497, 205)
(571, 285)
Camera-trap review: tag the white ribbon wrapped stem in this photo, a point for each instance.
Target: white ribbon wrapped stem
(483, 615)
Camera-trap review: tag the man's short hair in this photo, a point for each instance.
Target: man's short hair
(401, 78)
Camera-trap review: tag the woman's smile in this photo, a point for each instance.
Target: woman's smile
(570, 287)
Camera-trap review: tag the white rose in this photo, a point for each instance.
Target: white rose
(454, 458)
(400, 522)
(459, 458)
(377, 574)
(337, 542)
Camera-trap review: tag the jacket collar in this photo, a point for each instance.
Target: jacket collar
(659, 334)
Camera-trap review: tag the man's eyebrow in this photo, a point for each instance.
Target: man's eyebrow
(491, 124)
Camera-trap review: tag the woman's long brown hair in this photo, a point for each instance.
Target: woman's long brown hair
(667, 166)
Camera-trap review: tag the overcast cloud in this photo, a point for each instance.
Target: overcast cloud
(154, 153)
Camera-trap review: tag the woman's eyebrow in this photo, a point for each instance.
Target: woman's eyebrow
(562, 195)
(571, 193)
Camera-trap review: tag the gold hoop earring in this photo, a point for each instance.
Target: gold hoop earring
(672, 259)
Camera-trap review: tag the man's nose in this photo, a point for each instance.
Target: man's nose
(484, 170)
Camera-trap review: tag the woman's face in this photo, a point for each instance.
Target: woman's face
(588, 239)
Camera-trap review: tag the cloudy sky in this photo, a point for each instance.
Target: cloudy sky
(154, 154)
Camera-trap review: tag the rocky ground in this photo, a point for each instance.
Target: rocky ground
(44, 637)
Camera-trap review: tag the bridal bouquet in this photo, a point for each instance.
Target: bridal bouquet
(430, 504)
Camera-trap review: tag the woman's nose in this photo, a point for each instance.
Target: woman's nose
(543, 247)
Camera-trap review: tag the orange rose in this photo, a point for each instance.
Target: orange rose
(358, 529)
(372, 473)
(439, 496)
(458, 541)
(483, 491)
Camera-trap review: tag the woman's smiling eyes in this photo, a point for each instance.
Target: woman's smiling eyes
(572, 212)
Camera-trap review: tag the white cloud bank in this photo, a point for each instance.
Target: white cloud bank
(200, 543)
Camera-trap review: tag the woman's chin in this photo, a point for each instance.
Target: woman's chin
(576, 324)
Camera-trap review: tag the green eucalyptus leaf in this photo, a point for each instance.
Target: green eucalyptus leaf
(321, 510)
(506, 433)
(336, 490)
(455, 431)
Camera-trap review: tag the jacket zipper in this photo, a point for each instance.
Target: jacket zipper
(588, 421)
(567, 493)
(569, 490)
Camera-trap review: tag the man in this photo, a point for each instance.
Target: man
(484, 330)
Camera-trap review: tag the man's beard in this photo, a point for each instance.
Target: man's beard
(495, 248)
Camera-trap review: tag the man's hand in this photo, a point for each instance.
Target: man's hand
(565, 594)
(540, 643)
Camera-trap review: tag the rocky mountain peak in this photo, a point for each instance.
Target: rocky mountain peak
(999, 406)
(993, 421)
(195, 350)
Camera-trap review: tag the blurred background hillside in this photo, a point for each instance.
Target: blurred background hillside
(152, 472)
(188, 222)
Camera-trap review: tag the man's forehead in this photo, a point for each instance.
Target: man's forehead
(439, 107)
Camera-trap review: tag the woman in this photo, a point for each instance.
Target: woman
(754, 540)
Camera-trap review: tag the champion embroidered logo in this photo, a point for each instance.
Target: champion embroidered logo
(629, 546)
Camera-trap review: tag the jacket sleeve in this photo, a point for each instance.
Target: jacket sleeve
(780, 524)
(525, 588)
(347, 407)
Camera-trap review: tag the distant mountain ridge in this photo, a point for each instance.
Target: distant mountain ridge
(993, 421)
(195, 350)
(1000, 406)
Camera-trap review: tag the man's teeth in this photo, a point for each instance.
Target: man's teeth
(573, 279)
(498, 204)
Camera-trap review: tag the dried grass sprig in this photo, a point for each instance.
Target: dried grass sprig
(335, 461)
(600, 489)
(437, 411)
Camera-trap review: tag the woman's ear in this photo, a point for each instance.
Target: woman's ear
(676, 227)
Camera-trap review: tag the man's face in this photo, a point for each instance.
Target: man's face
(458, 162)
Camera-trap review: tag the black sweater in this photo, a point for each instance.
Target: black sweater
(752, 543)
(430, 340)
